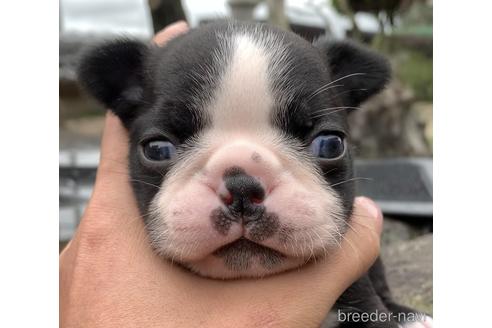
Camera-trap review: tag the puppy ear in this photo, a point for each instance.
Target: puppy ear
(362, 72)
(113, 73)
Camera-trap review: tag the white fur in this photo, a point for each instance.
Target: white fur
(243, 100)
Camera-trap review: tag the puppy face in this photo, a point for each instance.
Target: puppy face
(238, 157)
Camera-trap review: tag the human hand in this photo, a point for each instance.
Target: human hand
(110, 277)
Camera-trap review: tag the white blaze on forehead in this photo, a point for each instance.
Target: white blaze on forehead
(243, 99)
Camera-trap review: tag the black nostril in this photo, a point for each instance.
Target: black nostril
(246, 193)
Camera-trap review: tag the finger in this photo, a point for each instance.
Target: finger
(170, 32)
(114, 151)
(374, 216)
(112, 188)
(111, 176)
(360, 244)
(111, 217)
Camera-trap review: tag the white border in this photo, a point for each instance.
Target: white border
(29, 164)
(462, 155)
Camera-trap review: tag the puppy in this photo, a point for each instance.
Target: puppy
(239, 153)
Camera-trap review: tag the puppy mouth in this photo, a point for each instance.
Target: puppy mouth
(240, 254)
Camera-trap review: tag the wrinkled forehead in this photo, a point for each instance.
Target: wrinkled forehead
(239, 77)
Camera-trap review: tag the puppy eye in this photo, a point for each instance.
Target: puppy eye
(159, 150)
(327, 146)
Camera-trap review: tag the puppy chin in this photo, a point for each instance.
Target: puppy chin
(216, 268)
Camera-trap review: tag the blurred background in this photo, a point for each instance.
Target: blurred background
(392, 134)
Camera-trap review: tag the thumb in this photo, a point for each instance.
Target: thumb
(112, 186)
(112, 202)
(358, 250)
(361, 243)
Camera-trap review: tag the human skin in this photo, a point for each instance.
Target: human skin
(110, 277)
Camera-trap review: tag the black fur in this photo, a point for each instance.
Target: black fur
(345, 58)
(160, 91)
(114, 74)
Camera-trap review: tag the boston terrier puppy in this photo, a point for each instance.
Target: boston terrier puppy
(239, 149)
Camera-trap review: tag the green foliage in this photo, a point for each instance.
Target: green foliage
(415, 70)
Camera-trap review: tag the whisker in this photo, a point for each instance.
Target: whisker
(345, 92)
(353, 308)
(371, 229)
(329, 108)
(325, 87)
(350, 180)
(353, 229)
(330, 233)
(362, 216)
(147, 183)
(334, 238)
(321, 242)
(354, 249)
(333, 111)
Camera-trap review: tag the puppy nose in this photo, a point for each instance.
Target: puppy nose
(244, 195)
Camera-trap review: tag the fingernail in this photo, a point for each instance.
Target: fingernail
(170, 32)
(110, 114)
(179, 24)
(370, 207)
(111, 117)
